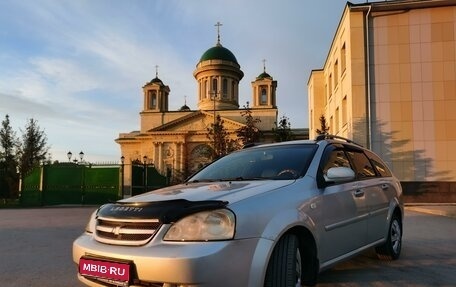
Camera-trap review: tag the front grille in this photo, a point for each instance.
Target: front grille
(126, 232)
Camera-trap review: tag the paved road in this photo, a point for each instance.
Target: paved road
(35, 251)
(428, 258)
(35, 246)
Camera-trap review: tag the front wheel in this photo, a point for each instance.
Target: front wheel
(285, 266)
(391, 249)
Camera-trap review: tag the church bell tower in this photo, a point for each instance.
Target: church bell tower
(156, 95)
(264, 91)
(218, 75)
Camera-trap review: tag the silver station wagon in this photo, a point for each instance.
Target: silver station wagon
(268, 215)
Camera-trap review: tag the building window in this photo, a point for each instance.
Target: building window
(336, 73)
(225, 88)
(325, 98)
(152, 100)
(330, 79)
(263, 97)
(199, 157)
(215, 85)
(343, 58)
(233, 86)
(336, 122)
(344, 110)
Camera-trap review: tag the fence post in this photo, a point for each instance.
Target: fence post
(40, 188)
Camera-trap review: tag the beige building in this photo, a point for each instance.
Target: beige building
(176, 142)
(389, 82)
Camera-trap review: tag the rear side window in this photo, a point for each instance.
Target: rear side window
(363, 166)
(379, 165)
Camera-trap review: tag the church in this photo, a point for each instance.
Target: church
(177, 142)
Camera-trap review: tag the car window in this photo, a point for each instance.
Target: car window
(275, 162)
(335, 158)
(363, 167)
(379, 165)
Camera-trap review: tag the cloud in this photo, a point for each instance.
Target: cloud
(78, 67)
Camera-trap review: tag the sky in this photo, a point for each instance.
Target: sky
(77, 67)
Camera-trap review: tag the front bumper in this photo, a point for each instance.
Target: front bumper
(219, 263)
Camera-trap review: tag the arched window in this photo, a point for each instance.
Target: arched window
(200, 156)
(225, 88)
(264, 97)
(215, 85)
(152, 100)
(206, 90)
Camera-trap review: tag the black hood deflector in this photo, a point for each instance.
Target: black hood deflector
(166, 211)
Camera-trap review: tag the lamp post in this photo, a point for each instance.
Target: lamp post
(81, 155)
(145, 172)
(69, 155)
(214, 94)
(122, 165)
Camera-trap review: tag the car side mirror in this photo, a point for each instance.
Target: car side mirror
(339, 174)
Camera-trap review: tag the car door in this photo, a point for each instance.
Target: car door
(344, 210)
(378, 198)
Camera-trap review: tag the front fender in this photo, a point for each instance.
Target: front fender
(280, 224)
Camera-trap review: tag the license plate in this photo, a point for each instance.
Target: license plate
(117, 271)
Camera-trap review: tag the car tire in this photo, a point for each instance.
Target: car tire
(391, 249)
(285, 266)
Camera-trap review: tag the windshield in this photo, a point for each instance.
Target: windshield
(270, 162)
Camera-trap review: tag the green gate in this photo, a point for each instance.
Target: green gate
(145, 178)
(69, 183)
(72, 183)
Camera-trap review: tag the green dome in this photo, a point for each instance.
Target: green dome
(157, 81)
(184, 108)
(218, 53)
(264, 75)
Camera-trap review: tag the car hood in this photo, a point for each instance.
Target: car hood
(224, 191)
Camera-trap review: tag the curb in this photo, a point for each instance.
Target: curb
(441, 210)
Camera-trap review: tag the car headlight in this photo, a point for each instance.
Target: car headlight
(90, 227)
(203, 226)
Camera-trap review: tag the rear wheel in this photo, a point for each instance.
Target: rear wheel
(391, 249)
(285, 266)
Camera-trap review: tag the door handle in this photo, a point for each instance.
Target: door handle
(358, 193)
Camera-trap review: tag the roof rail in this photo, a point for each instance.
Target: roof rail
(329, 136)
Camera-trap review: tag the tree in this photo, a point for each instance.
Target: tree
(8, 160)
(282, 132)
(323, 126)
(219, 137)
(249, 133)
(33, 148)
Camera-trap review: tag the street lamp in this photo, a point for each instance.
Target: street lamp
(214, 95)
(122, 164)
(75, 160)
